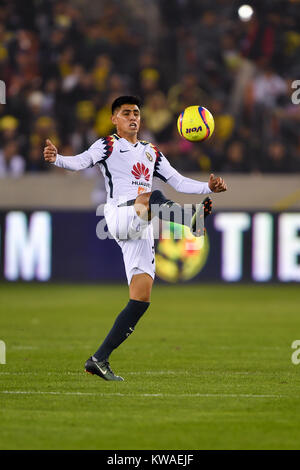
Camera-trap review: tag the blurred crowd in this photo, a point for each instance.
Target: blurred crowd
(64, 62)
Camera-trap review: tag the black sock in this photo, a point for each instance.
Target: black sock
(122, 328)
(170, 210)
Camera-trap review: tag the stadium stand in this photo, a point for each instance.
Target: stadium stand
(63, 64)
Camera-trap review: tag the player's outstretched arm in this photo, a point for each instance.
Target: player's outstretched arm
(164, 170)
(78, 162)
(182, 184)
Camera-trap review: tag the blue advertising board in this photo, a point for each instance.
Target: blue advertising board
(64, 246)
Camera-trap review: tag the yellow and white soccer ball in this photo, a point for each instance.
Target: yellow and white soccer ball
(196, 124)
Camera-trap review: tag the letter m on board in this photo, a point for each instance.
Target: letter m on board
(2, 92)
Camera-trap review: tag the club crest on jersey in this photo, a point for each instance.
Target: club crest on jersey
(149, 156)
(140, 171)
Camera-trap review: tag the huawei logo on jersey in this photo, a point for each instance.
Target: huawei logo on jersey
(140, 170)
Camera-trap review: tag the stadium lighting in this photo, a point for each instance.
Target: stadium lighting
(245, 12)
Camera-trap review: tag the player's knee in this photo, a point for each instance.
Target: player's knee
(140, 287)
(141, 296)
(143, 199)
(141, 205)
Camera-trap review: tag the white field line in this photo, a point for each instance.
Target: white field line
(142, 395)
(20, 347)
(147, 372)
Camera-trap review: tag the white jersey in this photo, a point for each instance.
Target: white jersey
(129, 169)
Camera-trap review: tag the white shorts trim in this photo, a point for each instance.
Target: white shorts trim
(135, 271)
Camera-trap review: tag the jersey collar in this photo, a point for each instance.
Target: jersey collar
(126, 141)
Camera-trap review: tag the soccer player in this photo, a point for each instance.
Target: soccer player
(128, 166)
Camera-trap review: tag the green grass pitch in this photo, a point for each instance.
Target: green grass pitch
(208, 367)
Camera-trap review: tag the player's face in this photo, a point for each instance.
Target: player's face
(127, 119)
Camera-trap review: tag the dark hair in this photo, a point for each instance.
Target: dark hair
(125, 100)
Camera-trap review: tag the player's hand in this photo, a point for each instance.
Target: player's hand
(216, 184)
(50, 152)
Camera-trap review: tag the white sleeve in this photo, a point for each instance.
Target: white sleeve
(83, 160)
(164, 170)
(188, 185)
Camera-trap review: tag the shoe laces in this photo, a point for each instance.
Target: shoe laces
(107, 365)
